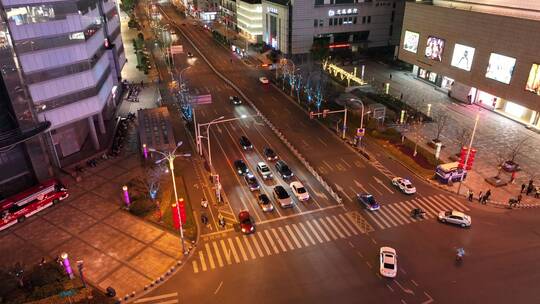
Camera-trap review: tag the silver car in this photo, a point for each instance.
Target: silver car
(283, 198)
(264, 171)
(455, 217)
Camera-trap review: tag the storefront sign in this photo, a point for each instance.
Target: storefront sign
(272, 10)
(342, 12)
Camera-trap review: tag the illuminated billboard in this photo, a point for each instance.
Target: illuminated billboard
(410, 42)
(533, 82)
(462, 57)
(500, 68)
(434, 48)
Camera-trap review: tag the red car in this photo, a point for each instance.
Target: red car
(246, 224)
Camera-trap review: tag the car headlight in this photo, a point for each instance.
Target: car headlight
(239, 171)
(252, 228)
(243, 229)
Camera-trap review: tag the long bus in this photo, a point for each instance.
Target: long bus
(17, 208)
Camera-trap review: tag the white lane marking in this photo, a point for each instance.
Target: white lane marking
(195, 267)
(388, 212)
(405, 212)
(349, 224)
(314, 232)
(203, 262)
(372, 217)
(455, 200)
(359, 185)
(287, 240)
(226, 252)
(346, 163)
(385, 216)
(322, 141)
(321, 230)
(218, 256)
(375, 189)
(327, 165)
(340, 226)
(257, 247)
(435, 206)
(280, 242)
(333, 227)
(296, 215)
(209, 255)
(263, 242)
(398, 213)
(218, 288)
(302, 238)
(445, 205)
(457, 204)
(248, 245)
(307, 233)
(242, 251)
(148, 299)
(427, 207)
(233, 250)
(383, 184)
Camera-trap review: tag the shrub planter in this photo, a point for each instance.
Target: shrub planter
(496, 181)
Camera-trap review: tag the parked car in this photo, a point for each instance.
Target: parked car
(264, 80)
(368, 201)
(404, 185)
(245, 143)
(455, 217)
(270, 154)
(388, 262)
(235, 100)
(189, 55)
(246, 223)
(264, 170)
(284, 169)
(283, 198)
(265, 203)
(241, 167)
(299, 191)
(252, 182)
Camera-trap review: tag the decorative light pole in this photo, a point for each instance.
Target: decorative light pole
(170, 156)
(127, 201)
(67, 266)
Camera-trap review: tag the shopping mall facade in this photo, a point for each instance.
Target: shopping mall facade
(484, 52)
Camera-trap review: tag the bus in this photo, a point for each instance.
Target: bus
(17, 208)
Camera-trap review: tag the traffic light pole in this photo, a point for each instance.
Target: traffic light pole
(326, 112)
(469, 150)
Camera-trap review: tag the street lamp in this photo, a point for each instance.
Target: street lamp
(208, 138)
(170, 156)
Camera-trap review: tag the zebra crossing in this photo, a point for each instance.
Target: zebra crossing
(270, 241)
(169, 298)
(375, 163)
(397, 214)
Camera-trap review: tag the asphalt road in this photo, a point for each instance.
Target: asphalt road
(321, 251)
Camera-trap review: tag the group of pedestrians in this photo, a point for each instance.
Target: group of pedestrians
(530, 189)
(483, 198)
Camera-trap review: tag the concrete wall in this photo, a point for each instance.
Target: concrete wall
(517, 38)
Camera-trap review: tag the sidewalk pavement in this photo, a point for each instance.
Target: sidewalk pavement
(496, 135)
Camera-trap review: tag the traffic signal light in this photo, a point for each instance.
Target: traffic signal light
(311, 114)
(462, 156)
(324, 113)
(470, 161)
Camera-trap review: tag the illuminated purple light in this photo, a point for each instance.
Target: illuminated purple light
(67, 266)
(126, 196)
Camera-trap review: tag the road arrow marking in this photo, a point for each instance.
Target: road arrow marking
(405, 290)
(320, 194)
(383, 184)
(359, 185)
(429, 300)
(219, 129)
(340, 189)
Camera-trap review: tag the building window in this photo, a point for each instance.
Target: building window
(319, 2)
(391, 31)
(392, 16)
(340, 20)
(354, 20)
(330, 22)
(321, 22)
(368, 19)
(363, 19)
(315, 23)
(394, 5)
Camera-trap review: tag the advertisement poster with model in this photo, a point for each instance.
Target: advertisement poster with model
(500, 68)
(434, 48)
(533, 82)
(410, 42)
(462, 57)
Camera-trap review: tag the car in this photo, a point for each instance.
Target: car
(388, 262)
(189, 55)
(264, 80)
(283, 198)
(241, 167)
(265, 203)
(299, 191)
(404, 185)
(270, 154)
(235, 100)
(455, 217)
(284, 169)
(264, 171)
(368, 201)
(252, 182)
(246, 224)
(245, 143)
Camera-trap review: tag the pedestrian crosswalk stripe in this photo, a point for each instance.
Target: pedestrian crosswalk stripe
(383, 215)
(293, 236)
(203, 262)
(456, 201)
(248, 246)
(321, 230)
(409, 205)
(314, 232)
(395, 211)
(445, 205)
(355, 230)
(279, 241)
(209, 255)
(195, 267)
(392, 218)
(427, 207)
(233, 250)
(271, 240)
(169, 302)
(218, 255)
(459, 205)
(307, 233)
(372, 217)
(226, 252)
(287, 240)
(340, 226)
(257, 247)
(241, 248)
(323, 223)
(159, 298)
(263, 242)
(302, 238)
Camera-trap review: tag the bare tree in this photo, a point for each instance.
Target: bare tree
(463, 137)
(152, 179)
(517, 149)
(441, 121)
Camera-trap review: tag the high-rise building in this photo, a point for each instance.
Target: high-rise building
(60, 63)
(479, 51)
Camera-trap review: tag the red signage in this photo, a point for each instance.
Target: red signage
(182, 207)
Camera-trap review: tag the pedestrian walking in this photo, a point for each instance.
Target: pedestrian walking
(142, 84)
(480, 196)
(530, 189)
(519, 198)
(486, 196)
(523, 187)
(513, 178)
(401, 96)
(390, 76)
(470, 195)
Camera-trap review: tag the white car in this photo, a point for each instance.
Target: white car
(264, 171)
(455, 217)
(404, 185)
(388, 262)
(299, 191)
(263, 80)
